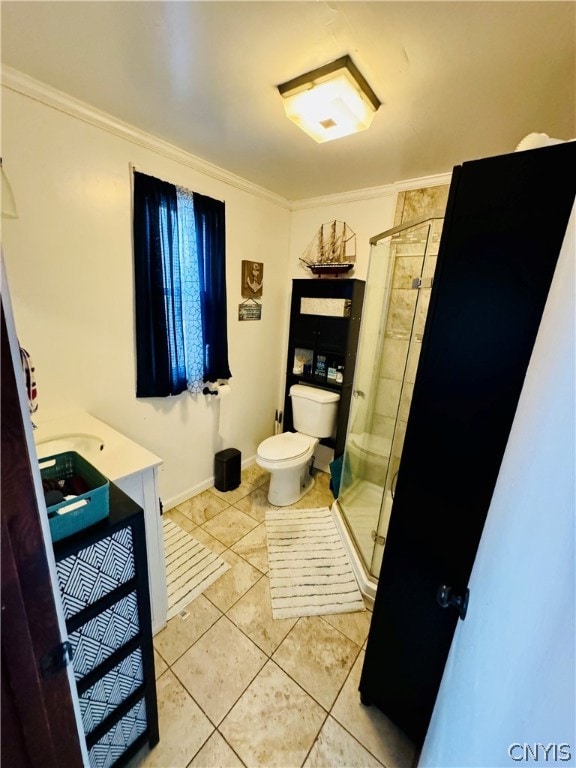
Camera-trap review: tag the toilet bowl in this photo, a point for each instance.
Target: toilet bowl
(289, 456)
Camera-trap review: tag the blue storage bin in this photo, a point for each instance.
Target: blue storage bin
(85, 509)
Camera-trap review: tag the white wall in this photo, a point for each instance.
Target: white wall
(69, 264)
(511, 673)
(366, 217)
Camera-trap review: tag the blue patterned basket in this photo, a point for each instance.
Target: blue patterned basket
(74, 515)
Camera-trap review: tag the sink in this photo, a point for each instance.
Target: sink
(85, 444)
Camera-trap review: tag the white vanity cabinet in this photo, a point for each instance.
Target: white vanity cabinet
(131, 467)
(142, 488)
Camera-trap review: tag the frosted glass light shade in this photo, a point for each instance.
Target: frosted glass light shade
(330, 102)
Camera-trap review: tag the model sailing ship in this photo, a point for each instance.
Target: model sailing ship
(332, 252)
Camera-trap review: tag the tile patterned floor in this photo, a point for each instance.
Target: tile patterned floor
(237, 688)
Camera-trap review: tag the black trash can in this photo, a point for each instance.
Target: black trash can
(227, 469)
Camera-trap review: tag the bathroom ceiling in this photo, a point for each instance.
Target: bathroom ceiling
(457, 81)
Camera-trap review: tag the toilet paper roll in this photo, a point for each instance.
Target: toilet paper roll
(223, 397)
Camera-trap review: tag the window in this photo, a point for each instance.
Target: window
(180, 289)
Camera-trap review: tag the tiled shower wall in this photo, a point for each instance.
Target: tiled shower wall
(420, 202)
(400, 354)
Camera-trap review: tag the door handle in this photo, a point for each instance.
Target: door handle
(446, 597)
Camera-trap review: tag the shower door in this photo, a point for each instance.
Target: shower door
(401, 269)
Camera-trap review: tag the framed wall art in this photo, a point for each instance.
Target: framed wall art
(252, 279)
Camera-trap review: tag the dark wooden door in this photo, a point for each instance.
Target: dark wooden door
(38, 723)
(504, 226)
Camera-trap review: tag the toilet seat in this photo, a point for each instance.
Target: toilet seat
(287, 445)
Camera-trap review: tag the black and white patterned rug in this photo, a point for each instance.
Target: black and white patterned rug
(310, 572)
(190, 567)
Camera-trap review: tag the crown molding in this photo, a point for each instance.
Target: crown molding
(51, 97)
(371, 192)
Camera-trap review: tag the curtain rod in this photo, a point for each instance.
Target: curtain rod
(134, 169)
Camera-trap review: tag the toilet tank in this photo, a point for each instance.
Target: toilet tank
(314, 410)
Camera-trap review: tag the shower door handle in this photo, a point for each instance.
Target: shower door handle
(446, 597)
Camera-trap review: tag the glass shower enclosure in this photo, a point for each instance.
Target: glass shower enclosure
(400, 275)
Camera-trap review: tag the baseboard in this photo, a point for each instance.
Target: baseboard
(194, 490)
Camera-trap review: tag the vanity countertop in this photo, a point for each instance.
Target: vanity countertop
(81, 432)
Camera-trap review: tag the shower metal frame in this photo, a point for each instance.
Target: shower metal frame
(366, 580)
(406, 225)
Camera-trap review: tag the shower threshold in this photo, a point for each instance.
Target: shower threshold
(366, 582)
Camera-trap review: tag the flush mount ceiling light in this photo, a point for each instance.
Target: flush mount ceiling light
(332, 101)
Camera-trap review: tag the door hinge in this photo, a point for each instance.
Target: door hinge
(446, 597)
(160, 506)
(422, 282)
(378, 538)
(57, 659)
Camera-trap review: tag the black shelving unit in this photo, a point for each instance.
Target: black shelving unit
(331, 340)
(103, 581)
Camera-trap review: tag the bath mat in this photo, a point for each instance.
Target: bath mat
(310, 572)
(190, 567)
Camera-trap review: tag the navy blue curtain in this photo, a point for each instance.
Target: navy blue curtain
(210, 218)
(163, 284)
(156, 270)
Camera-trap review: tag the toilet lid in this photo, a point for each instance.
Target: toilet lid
(287, 445)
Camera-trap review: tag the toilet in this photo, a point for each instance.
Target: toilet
(288, 456)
